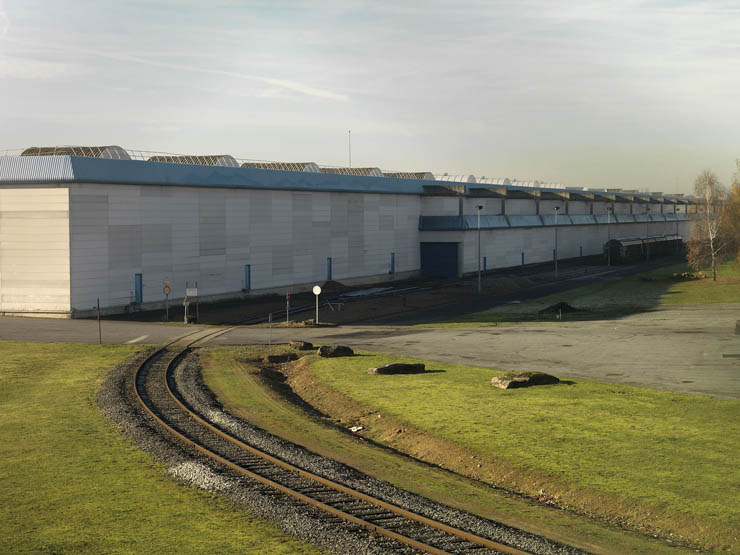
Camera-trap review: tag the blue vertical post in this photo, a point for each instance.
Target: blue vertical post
(393, 263)
(328, 269)
(522, 259)
(247, 277)
(138, 288)
(485, 263)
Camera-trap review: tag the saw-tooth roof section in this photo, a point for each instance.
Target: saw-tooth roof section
(111, 151)
(428, 176)
(285, 166)
(464, 178)
(494, 180)
(225, 160)
(368, 172)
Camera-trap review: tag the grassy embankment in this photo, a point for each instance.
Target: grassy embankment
(614, 298)
(72, 484)
(455, 420)
(655, 461)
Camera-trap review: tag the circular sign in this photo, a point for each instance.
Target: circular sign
(166, 282)
(316, 290)
(166, 290)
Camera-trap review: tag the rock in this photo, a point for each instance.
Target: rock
(281, 357)
(301, 345)
(511, 380)
(335, 351)
(398, 368)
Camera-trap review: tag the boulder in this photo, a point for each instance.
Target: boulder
(301, 345)
(398, 368)
(279, 358)
(511, 380)
(335, 351)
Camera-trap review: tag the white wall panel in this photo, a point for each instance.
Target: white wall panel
(34, 249)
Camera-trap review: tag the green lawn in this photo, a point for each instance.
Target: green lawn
(612, 298)
(230, 374)
(72, 484)
(649, 459)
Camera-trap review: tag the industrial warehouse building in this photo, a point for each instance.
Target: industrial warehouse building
(78, 224)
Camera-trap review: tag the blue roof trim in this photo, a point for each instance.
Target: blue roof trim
(136, 172)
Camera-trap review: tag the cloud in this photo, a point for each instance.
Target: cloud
(30, 68)
(4, 20)
(282, 83)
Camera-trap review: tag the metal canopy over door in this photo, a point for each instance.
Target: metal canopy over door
(440, 259)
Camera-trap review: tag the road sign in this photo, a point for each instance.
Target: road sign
(166, 290)
(316, 290)
(191, 291)
(166, 282)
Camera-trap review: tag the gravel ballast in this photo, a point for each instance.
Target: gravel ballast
(119, 404)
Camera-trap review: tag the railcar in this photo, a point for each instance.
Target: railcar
(637, 249)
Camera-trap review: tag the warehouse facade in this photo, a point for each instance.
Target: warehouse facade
(77, 228)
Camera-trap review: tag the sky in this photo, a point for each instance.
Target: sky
(629, 94)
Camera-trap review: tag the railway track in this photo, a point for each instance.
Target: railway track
(156, 391)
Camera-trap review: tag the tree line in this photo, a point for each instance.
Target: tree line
(715, 235)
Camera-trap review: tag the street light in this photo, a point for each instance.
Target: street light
(479, 286)
(609, 210)
(647, 234)
(556, 241)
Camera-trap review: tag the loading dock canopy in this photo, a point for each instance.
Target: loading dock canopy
(501, 221)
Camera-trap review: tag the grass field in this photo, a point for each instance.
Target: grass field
(237, 382)
(662, 462)
(72, 484)
(608, 299)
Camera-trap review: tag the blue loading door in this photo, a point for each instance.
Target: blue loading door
(138, 289)
(439, 259)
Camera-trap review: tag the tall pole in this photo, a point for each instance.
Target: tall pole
(609, 210)
(349, 145)
(647, 234)
(556, 241)
(479, 285)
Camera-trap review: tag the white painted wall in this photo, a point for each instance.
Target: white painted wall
(34, 249)
(209, 235)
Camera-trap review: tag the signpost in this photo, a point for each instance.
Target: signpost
(166, 290)
(193, 292)
(317, 292)
(186, 303)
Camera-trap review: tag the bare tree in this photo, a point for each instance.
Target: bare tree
(709, 235)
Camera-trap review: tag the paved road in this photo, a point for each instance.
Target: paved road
(687, 349)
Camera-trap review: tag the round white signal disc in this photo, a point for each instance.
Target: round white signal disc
(316, 290)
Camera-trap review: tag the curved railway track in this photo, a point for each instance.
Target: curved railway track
(157, 392)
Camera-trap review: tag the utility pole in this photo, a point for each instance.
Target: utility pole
(479, 284)
(556, 241)
(349, 145)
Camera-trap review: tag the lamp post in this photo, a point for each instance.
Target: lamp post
(609, 210)
(479, 285)
(556, 241)
(647, 233)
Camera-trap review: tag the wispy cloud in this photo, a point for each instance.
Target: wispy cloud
(294, 86)
(30, 68)
(4, 20)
